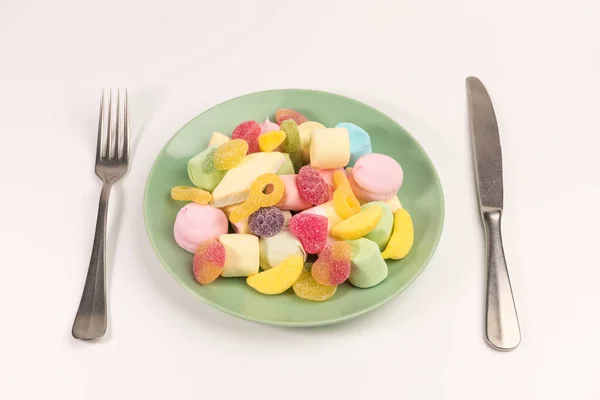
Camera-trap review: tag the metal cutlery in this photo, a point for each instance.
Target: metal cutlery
(502, 324)
(112, 160)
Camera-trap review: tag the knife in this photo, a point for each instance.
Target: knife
(502, 324)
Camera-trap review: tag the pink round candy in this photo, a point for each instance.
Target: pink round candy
(196, 223)
(376, 177)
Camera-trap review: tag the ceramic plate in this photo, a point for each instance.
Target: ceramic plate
(421, 194)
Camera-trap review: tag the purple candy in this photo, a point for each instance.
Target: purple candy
(266, 221)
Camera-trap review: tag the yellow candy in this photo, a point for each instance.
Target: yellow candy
(359, 224)
(344, 201)
(189, 193)
(230, 154)
(269, 141)
(307, 288)
(257, 197)
(402, 238)
(279, 278)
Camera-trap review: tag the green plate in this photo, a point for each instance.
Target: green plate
(421, 194)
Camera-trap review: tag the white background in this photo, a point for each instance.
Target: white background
(539, 59)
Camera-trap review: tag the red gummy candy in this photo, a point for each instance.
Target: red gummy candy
(333, 266)
(287, 113)
(209, 261)
(248, 131)
(312, 186)
(311, 230)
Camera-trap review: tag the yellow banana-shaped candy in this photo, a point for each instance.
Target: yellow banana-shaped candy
(402, 237)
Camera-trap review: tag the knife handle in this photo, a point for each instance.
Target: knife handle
(502, 324)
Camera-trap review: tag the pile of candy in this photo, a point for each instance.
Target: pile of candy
(343, 198)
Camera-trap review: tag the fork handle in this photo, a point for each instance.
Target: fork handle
(502, 324)
(91, 319)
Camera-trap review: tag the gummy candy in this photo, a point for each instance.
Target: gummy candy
(249, 131)
(266, 221)
(359, 224)
(311, 230)
(190, 193)
(208, 261)
(230, 154)
(209, 165)
(271, 140)
(307, 288)
(279, 278)
(257, 197)
(402, 237)
(333, 265)
(284, 114)
(312, 186)
(344, 201)
(291, 144)
(268, 126)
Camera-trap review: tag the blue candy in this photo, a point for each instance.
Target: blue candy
(360, 142)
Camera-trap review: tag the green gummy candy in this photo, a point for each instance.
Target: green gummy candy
(368, 268)
(287, 168)
(202, 172)
(291, 144)
(383, 231)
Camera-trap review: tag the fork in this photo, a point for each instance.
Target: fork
(112, 160)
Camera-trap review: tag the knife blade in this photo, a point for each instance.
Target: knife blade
(502, 323)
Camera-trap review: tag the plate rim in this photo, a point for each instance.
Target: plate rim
(293, 324)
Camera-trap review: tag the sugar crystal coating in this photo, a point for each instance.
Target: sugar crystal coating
(307, 288)
(248, 131)
(284, 114)
(311, 230)
(312, 186)
(291, 144)
(266, 221)
(271, 140)
(230, 154)
(257, 197)
(344, 201)
(402, 237)
(359, 224)
(190, 193)
(333, 265)
(208, 262)
(279, 278)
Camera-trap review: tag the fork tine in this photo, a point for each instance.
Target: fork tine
(109, 139)
(118, 126)
(125, 152)
(99, 148)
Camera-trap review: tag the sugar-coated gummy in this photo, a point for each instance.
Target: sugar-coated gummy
(312, 186)
(208, 262)
(333, 265)
(311, 230)
(257, 198)
(308, 289)
(266, 221)
(402, 238)
(285, 114)
(279, 278)
(230, 154)
(190, 193)
(359, 224)
(248, 131)
(291, 144)
(269, 141)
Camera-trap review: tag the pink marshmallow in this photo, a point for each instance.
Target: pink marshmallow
(292, 200)
(268, 126)
(196, 223)
(378, 174)
(363, 196)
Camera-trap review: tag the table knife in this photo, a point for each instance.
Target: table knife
(502, 330)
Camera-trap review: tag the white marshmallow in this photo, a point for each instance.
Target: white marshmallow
(218, 139)
(329, 148)
(242, 255)
(275, 249)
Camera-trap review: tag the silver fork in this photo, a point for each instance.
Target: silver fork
(112, 159)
